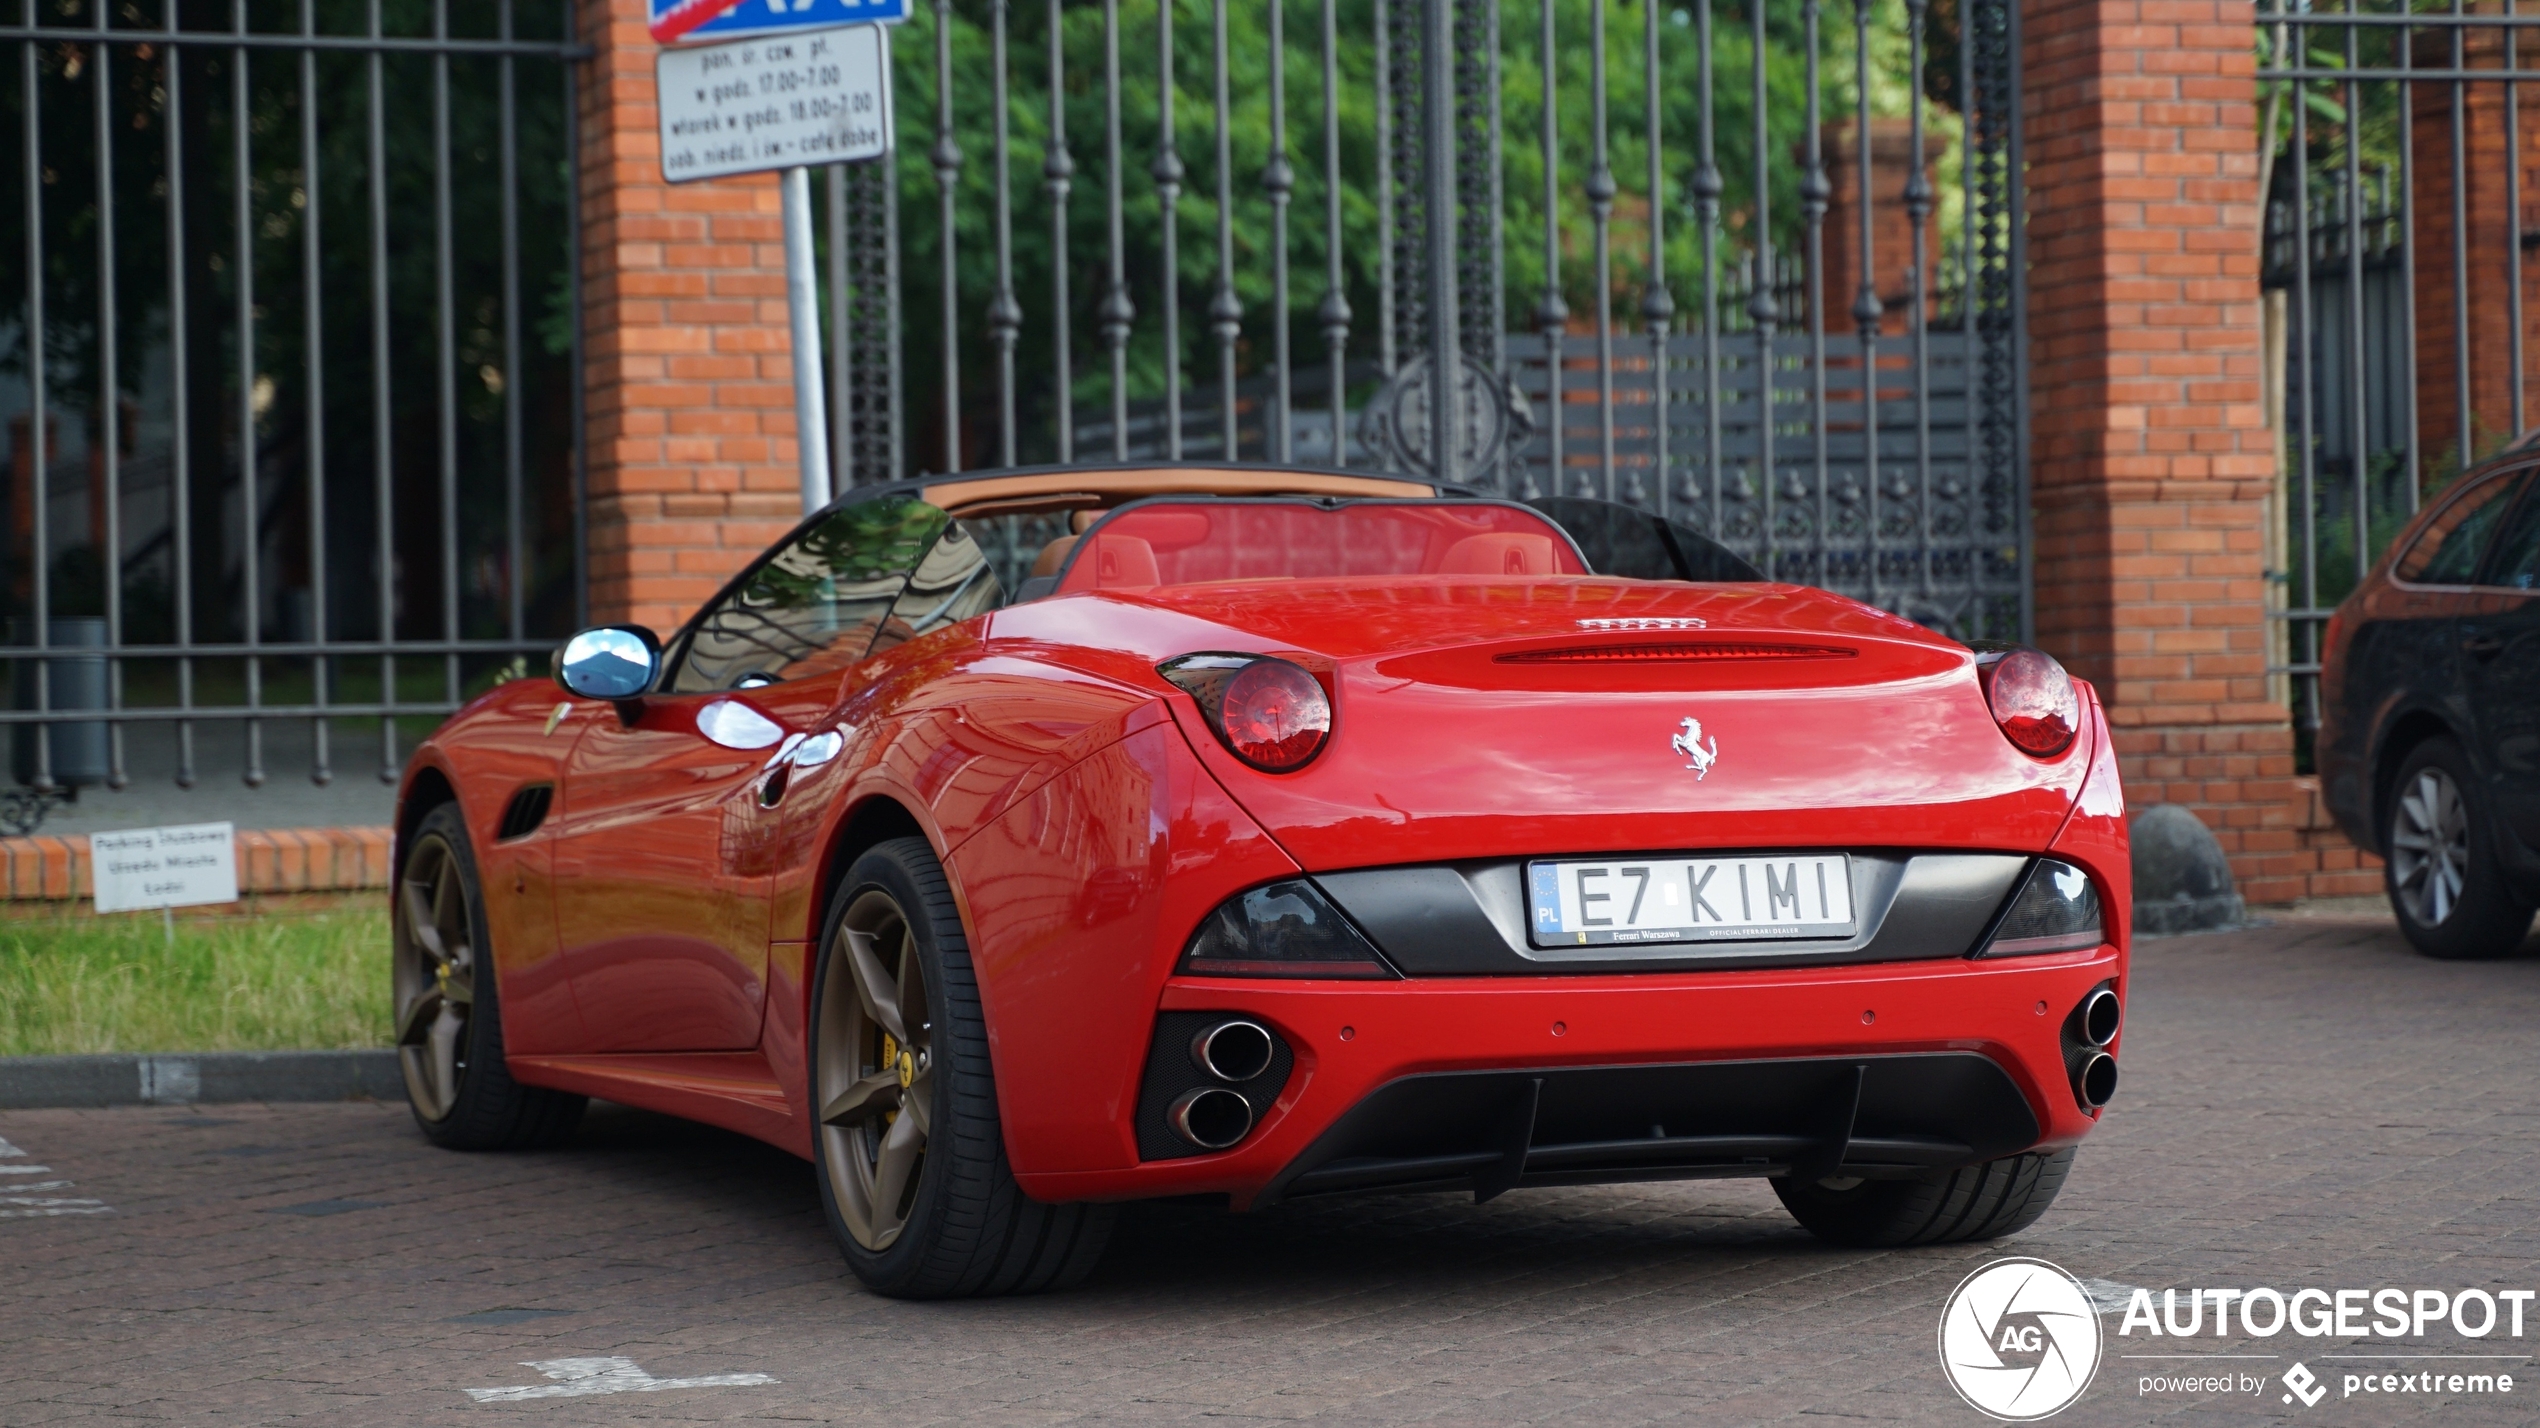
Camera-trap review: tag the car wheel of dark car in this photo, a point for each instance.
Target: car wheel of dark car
(2444, 882)
(449, 1021)
(908, 1150)
(1979, 1202)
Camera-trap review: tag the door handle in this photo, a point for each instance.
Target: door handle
(771, 790)
(2483, 646)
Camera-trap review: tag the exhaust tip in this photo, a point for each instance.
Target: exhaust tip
(2100, 1015)
(1232, 1051)
(1211, 1117)
(2095, 1080)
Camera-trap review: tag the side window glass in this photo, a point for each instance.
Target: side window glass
(956, 580)
(2448, 552)
(815, 605)
(2517, 564)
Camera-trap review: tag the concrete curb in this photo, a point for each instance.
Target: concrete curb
(188, 1078)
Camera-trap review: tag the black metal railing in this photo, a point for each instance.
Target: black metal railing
(2392, 140)
(301, 277)
(1641, 189)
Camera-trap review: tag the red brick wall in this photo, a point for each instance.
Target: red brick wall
(688, 374)
(2151, 455)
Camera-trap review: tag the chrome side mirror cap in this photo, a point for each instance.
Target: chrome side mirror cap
(614, 662)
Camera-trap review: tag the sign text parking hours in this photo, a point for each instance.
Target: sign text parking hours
(780, 102)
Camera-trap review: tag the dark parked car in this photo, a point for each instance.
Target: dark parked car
(2429, 744)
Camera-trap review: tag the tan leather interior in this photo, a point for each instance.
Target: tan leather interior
(1052, 556)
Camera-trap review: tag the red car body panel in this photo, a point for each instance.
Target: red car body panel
(655, 937)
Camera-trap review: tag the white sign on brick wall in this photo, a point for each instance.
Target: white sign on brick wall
(183, 866)
(782, 102)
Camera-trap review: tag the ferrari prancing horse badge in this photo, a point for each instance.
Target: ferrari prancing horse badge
(1689, 744)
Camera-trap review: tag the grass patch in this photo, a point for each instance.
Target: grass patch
(272, 983)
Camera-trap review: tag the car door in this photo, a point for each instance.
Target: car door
(670, 822)
(2500, 658)
(2408, 656)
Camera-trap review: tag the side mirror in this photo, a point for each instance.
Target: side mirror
(613, 662)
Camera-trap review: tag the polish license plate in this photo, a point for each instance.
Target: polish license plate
(1644, 900)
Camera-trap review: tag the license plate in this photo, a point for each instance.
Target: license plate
(1643, 900)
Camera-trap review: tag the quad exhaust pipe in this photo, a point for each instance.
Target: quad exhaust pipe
(1231, 1052)
(2095, 1080)
(1211, 1117)
(2100, 1015)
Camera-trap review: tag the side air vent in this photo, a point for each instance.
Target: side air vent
(1674, 651)
(525, 812)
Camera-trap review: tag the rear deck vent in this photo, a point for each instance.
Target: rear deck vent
(525, 812)
(1674, 651)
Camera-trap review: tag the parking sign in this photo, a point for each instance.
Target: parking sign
(698, 20)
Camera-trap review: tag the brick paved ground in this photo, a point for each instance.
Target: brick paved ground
(2306, 1104)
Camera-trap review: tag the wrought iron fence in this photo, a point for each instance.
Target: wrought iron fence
(1633, 260)
(2394, 260)
(299, 276)
(301, 287)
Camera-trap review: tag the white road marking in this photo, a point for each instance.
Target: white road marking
(576, 1378)
(25, 1204)
(2108, 1296)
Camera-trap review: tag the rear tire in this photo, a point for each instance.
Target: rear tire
(2442, 874)
(1979, 1202)
(955, 1224)
(449, 1016)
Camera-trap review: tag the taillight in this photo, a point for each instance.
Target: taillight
(2034, 701)
(1268, 712)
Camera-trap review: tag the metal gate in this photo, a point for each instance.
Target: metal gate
(290, 372)
(2398, 249)
(1649, 300)
(293, 375)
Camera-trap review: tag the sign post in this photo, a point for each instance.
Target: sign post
(785, 97)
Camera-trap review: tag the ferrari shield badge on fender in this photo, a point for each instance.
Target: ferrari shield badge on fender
(1688, 742)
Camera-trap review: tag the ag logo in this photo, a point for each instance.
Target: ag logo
(2019, 1340)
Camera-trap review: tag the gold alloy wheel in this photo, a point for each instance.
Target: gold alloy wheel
(874, 1077)
(434, 975)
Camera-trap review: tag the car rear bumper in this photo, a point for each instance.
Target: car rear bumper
(1490, 1082)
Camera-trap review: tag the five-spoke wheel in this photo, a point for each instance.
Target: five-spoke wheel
(908, 1150)
(876, 1073)
(449, 1020)
(435, 974)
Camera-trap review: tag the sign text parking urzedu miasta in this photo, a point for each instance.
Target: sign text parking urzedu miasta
(781, 102)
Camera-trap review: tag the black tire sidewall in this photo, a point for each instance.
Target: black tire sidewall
(2487, 921)
(886, 869)
(485, 1066)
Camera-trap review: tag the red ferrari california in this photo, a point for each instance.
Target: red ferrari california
(1012, 846)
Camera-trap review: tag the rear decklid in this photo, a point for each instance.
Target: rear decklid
(1486, 719)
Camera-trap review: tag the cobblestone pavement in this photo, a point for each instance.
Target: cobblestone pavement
(2306, 1104)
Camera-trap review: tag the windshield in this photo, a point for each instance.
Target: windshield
(1173, 542)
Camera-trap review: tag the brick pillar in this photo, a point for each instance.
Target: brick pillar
(1891, 227)
(2150, 453)
(687, 371)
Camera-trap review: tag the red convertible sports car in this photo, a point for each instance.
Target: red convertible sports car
(1011, 846)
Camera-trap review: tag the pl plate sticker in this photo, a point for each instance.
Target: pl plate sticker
(2019, 1340)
